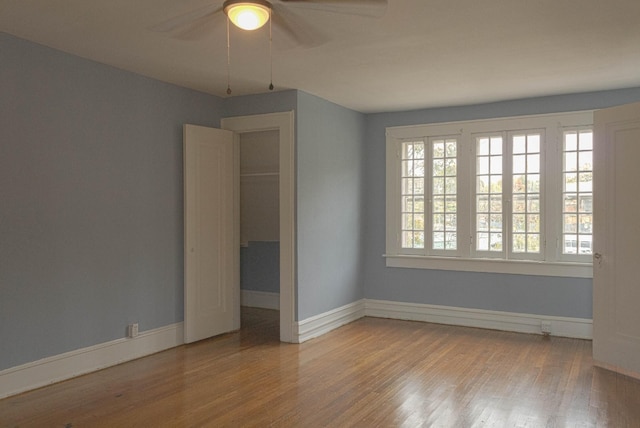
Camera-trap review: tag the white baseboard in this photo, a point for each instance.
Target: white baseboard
(580, 328)
(260, 299)
(324, 323)
(617, 369)
(81, 361)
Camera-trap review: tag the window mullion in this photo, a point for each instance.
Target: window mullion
(507, 196)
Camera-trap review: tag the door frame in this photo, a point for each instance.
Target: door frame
(284, 123)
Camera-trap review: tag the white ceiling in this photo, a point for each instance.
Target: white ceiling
(420, 53)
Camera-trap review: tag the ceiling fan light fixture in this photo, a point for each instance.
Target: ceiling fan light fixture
(248, 15)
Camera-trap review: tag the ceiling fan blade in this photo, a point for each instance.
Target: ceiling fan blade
(372, 8)
(191, 25)
(296, 29)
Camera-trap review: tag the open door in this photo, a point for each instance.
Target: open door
(616, 287)
(211, 246)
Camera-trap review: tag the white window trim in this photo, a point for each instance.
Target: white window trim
(553, 262)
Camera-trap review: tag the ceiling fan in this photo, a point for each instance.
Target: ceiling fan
(285, 17)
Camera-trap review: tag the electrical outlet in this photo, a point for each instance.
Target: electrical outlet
(132, 330)
(545, 327)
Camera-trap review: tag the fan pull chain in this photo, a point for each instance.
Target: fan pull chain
(270, 51)
(228, 60)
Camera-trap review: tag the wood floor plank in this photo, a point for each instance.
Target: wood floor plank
(370, 373)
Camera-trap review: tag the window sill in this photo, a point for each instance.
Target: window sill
(514, 267)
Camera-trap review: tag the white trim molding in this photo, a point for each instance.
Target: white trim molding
(260, 299)
(60, 367)
(579, 328)
(324, 323)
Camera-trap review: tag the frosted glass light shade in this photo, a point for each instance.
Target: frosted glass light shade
(248, 15)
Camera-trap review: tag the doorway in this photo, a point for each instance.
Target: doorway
(280, 124)
(259, 221)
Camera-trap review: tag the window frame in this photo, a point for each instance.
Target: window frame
(550, 261)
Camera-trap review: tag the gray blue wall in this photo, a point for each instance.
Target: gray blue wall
(567, 297)
(91, 204)
(91, 217)
(260, 266)
(330, 188)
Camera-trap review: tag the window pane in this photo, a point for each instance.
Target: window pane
(444, 193)
(533, 223)
(533, 143)
(450, 222)
(438, 186)
(519, 164)
(570, 182)
(496, 184)
(585, 161)
(482, 184)
(585, 244)
(451, 241)
(438, 168)
(586, 140)
(496, 145)
(412, 201)
(438, 204)
(533, 243)
(451, 168)
(519, 223)
(489, 208)
(519, 144)
(450, 185)
(438, 149)
(438, 241)
(570, 244)
(451, 204)
(585, 223)
(482, 165)
(451, 149)
(570, 223)
(525, 218)
(533, 183)
(495, 242)
(483, 242)
(533, 204)
(496, 164)
(407, 221)
(407, 186)
(482, 223)
(496, 222)
(533, 163)
(577, 194)
(407, 168)
(438, 222)
(519, 205)
(570, 141)
(496, 204)
(570, 161)
(482, 203)
(519, 243)
(483, 146)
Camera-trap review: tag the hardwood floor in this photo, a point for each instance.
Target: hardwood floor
(370, 373)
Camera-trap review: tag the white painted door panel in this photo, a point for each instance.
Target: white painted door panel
(211, 254)
(616, 279)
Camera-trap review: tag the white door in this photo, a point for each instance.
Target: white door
(211, 271)
(616, 278)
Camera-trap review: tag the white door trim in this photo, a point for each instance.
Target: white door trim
(284, 123)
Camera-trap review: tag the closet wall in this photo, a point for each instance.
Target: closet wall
(259, 212)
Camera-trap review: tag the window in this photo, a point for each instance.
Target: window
(577, 192)
(507, 195)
